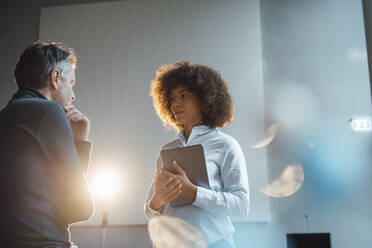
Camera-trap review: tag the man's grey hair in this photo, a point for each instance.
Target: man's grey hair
(64, 66)
(37, 62)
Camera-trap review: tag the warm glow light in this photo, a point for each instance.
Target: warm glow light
(105, 184)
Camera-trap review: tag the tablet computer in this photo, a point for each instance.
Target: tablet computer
(192, 161)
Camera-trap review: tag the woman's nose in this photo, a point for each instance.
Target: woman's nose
(176, 102)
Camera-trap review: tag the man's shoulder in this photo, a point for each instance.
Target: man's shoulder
(32, 101)
(34, 105)
(31, 111)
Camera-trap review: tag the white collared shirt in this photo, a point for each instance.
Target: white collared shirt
(228, 196)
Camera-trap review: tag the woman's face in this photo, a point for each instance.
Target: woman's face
(185, 107)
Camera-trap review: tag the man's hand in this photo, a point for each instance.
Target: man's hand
(80, 124)
(166, 189)
(188, 188)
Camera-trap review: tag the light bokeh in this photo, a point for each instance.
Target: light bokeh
(171, 232)
(287, 184)
(269, 136)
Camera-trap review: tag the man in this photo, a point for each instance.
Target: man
(44, 152)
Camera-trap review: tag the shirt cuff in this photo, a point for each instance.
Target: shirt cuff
(153, 212)
(84, 144)
(204, 198)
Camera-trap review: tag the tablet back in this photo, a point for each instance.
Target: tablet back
(192, 161)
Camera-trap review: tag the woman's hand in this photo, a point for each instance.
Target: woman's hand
(166, 189)
(188, 188)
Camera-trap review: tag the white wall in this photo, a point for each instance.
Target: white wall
(119, 47)
(316, 78)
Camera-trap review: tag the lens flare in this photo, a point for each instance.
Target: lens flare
(269, 136)
(171, 232)
(105, 184)
(289, 182)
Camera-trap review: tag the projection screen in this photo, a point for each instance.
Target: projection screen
(120, 45)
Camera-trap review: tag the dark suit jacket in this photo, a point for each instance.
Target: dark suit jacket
(42, 174)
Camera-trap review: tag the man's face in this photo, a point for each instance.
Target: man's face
(65, 94)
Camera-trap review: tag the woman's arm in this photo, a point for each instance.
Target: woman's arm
(233, 201)
(162, 191)
(149, 212)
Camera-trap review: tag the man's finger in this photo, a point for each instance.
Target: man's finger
(68, 107)
(75, 114)
(71, 112)
(75, 117)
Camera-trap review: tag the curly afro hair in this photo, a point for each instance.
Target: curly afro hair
(207, 84)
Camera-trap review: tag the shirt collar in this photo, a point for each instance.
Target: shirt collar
(27, 93)
(197, 131)
(22, 92)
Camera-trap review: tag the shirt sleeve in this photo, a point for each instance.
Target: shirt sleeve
(149, 212)
(233, 201)
(83, 149)
(73, 197)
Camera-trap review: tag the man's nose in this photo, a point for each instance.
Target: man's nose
(73, 98)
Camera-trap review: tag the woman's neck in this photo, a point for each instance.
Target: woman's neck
(187, 130)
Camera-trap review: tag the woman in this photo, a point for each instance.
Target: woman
(195, 100)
